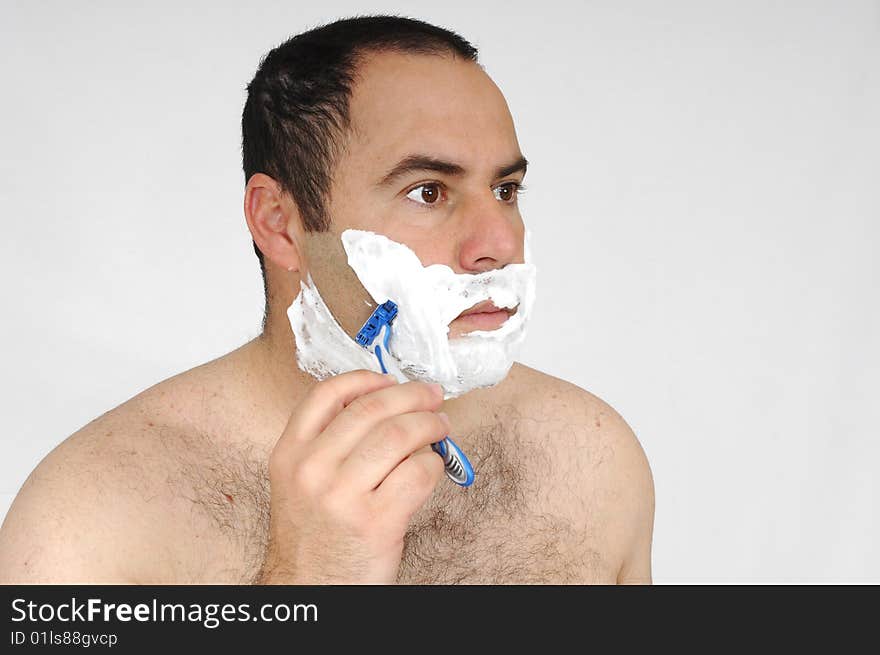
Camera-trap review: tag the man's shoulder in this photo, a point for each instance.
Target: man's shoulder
(597, 459)
(582, 427)
(98, 503)
(545, 398)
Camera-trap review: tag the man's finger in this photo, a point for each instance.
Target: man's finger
(367, 411)
(328, 398)
(412, 482)
(390, 443)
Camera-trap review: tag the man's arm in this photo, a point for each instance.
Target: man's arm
(615, 473)
(600, 460)
(68, 523)
(637, 503)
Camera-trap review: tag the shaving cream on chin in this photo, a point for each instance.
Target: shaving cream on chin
(428, 299)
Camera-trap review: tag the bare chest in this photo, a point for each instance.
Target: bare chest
(497, 531)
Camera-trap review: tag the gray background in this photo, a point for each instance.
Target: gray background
(703, 196)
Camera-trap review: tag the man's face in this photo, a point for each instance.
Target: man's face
(432, 162)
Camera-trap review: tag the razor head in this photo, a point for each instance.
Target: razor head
(382, 315)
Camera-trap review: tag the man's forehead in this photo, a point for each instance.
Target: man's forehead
(436, 104)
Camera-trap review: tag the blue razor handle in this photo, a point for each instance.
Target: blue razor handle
(458, 468)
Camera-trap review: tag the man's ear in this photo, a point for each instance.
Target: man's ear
(274, 222)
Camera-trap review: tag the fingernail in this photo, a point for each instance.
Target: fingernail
(390, 376)
(438, 388)
(445, 419)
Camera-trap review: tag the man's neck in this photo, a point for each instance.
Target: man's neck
(267, 367)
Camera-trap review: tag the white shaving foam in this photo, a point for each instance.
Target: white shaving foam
(428, 299)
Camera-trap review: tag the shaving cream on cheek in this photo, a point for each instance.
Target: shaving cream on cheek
(428, 299)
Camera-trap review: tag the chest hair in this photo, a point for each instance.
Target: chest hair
(492, 532)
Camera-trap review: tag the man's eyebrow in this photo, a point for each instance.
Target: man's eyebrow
(417, 163)
(520, 164)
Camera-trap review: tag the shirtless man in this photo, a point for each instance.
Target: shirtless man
(248, 470)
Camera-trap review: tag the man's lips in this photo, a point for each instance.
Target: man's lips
(483, 316)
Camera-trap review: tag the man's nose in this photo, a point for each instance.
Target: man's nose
(493, 236)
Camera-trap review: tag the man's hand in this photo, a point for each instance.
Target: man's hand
(351, 468)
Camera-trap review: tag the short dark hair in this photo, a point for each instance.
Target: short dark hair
(297, 107)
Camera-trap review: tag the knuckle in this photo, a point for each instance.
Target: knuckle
(359, 378)
(389, 441)
(433, 400)
(422, 476)
(333, 386)
(308, 477)
(430, 428)
(425, 473)
(437, 428)
(395, 437)
(426, 395)
(325, 390)
(367, 406)
(363, 375)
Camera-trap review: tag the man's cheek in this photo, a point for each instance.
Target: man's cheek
(342, 292)
(429, 299)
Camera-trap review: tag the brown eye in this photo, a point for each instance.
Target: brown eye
(425, 194)
(506, 192)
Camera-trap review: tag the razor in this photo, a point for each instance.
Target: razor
(458, 468)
